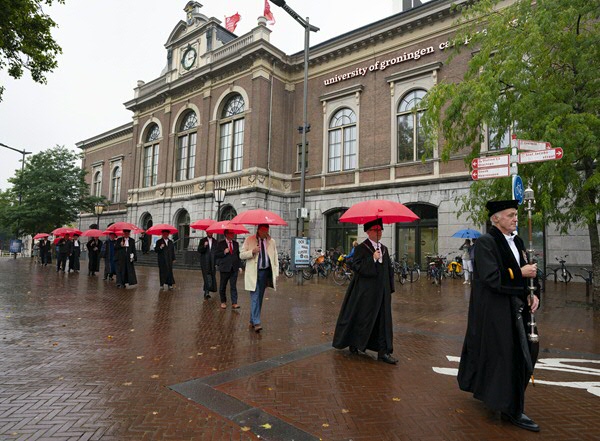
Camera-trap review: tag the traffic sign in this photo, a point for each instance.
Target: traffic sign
(540, 156)
(533, 145)
(490, 161)
(489, 173)
(518, 188)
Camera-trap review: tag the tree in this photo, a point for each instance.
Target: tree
(25, 39)
(53, 191)
(535, 68)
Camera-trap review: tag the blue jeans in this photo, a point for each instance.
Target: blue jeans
(256, 296)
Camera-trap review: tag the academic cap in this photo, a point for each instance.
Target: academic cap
(494, 207)
(372, 223)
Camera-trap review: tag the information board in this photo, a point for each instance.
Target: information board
(300, 252)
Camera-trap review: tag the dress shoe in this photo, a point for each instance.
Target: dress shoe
(257, 328)
(235, 306)
(387, 358)
(206, 296)
(170, 287)
(353, 350)
(522, 421)
(223, 305)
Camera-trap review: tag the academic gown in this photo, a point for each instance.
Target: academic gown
(367, 303)
(496, 363)
(74, 263)
(125, 267)
(207, 264)
(108, 253)
(94, 247)
(166, 257)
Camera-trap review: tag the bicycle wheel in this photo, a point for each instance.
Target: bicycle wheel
(339, 276)
(415, 275)
(307, 273)
(402, 277)
(288, 273)
(565, 276)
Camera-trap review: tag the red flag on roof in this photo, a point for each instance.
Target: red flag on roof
(268, 14)
(231, 22)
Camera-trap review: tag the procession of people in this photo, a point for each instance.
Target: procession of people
(497, 360)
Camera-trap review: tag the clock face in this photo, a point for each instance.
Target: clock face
(189, 56)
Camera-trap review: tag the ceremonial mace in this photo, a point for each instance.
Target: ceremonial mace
(529, 198)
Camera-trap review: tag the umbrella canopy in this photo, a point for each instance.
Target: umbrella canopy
(220, 227)
(93, 233)
(258, 217)
(40, 236)
(388, 211)
(120, 226)
(158, 229)
(202, 224)
(66, 230)
(467, 233)
(117, 232)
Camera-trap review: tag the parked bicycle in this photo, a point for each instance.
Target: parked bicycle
(435, 269)
(285, 265)
(342, 273)
(454, 268)
(404, 272)
(319, 264)
(562, 273)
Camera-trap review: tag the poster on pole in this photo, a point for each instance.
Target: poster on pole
(300, 252)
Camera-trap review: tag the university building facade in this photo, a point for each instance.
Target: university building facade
(225, 113)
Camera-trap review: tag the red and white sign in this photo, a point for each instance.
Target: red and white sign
(533, 145)
(490, 173)
(540, 156)
(490, 161)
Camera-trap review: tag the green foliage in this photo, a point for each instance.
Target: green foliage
(53, 191)
(25, 39)
(535, 65)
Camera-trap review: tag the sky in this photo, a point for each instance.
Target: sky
(110, 44)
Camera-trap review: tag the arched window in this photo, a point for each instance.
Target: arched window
(150, 162)
(186, 147)
(231, 150)
(411, 138)
(339, 235)
(115, 186)
(97, 184)
(342, 141)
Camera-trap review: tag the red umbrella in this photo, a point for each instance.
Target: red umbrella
(158, 229)
(93, 233)
(258, 217)
(66, 230)
(120, 226)
(220, 227)
(118, 232)
(202, 224)
(40, 236)
(388, 211)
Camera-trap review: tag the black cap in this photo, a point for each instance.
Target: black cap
(494, 207)
(373, 223)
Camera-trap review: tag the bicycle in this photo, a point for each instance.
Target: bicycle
(342, 273)
(435, 269)
(404, 272)
(285, 265)
(564, 275)
(454, 269)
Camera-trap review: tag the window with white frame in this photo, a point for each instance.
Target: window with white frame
(97, 184)
(186, 147)
(411, 138)
(342, 141)
(231, 135)
(150, 159)
(115, 185)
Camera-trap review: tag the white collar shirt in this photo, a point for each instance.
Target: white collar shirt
(377, 246)
(510, 238)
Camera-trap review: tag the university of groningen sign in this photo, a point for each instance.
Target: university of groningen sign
(381, 65)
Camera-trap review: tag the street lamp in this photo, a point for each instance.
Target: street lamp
(219, 198)
(99, 209)
(23, 152)
(301, 213)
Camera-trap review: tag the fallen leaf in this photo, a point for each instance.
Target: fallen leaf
(580, 330)
(55, 344)
(128, 383)
(245, 428)
(269, 388)
(459, 411)
(139, 357)
(154, 376)
(325, 425)
(109, 337)
(396, 399)
(155, 413)
(200, 353)
(213, 347)
(131, 330)
(266, 426)
(345, 411)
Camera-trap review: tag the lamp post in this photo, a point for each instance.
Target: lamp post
(301, 213)
(219, 198)
(99, 209)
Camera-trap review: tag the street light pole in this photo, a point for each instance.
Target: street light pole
(23, 152)
(301, 213)
(219, 198)
(98, 209)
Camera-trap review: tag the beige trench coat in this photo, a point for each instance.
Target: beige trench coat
(250, 243)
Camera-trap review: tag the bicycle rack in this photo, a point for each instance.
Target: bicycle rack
(588, 281)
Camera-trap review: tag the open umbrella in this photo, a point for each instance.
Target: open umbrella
(93, 232)
(120, 226)
(388, 211)
(202, 224)
(158, 229)
(66, 230)
(467, 233)
(220, 227)
(40, 236)
(117, 232)
(258, 217)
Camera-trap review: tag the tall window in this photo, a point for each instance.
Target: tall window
(97, 184)
(186, 147)
(231, 149)
(151, 157)
(411, 138)
(342, 141)
(115, 187)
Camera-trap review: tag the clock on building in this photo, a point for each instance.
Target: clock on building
(189, 57)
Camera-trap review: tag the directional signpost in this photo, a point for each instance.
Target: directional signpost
(541, 155)
(523, 144)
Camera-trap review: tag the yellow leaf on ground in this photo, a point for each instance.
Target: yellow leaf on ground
(396, 399)
(266, 426)
(245, 428)
(345, 411)
(128, 383)
(139, 357)
(325, 425)
(154, 376)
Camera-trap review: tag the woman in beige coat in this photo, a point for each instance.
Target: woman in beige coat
(262, 268)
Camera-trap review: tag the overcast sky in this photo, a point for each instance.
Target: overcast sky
(110, 44)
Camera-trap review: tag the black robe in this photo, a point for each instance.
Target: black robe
(125, 268)
(368, 302)
(94, 246)
(75, 255)
(495, 363)
(166, 257)
(44, 247)
(207, 264)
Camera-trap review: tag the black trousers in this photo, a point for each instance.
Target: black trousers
(231, 277)
(61, 261)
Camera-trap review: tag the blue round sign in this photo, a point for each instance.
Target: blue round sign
(518, 189)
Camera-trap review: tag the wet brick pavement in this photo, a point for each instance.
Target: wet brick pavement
(82, 360)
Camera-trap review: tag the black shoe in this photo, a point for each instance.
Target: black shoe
(257, 328)
(522, 421)
(387, 358)
(353, 350)
(206, 296)
(170, 287)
